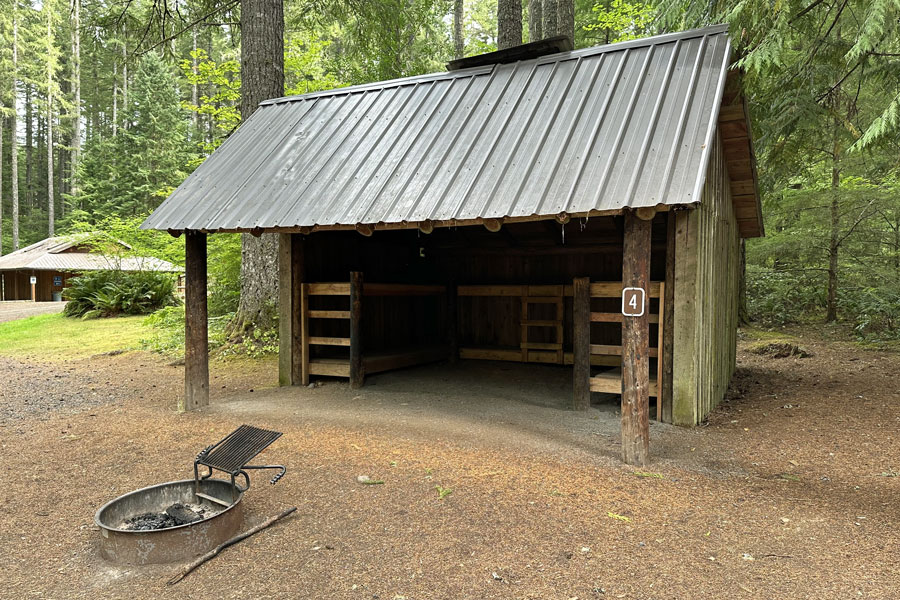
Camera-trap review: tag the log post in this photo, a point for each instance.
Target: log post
(356, 366)
(196, 336)
(668, 326)
(581, 343)
(452, 323)
(636, 346)
(290, 317)
(304, 333)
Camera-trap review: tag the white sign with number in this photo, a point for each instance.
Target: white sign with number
(33, 280)
(633, 301)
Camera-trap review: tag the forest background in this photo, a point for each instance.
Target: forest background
(107, 105)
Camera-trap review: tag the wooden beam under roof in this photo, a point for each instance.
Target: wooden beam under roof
(737, 145)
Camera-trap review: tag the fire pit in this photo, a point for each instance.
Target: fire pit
(179, 520)
(121, 541)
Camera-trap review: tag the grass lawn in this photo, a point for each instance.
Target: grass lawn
(57, 337)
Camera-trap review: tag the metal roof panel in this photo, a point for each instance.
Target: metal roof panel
(598, 129)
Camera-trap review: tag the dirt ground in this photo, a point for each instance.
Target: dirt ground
(12, 310)
(792, 490)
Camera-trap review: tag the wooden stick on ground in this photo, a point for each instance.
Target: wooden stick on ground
(241, 536)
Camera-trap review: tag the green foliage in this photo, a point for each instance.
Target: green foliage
(618, 20)
(379, 39)
(780, 297)
(875, 312)
(111, 293)
(164, 331)
(131, 173)
(224, 272)
(221, 102)
(306, 67)
(787, 271)
(165, 334)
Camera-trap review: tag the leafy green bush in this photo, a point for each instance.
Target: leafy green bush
(782, 297)
(224, 273)
(873, 311)
(110, 293)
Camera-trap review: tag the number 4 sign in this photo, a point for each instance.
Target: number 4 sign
(633, 300)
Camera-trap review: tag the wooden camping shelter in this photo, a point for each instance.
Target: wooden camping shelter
(497, 212)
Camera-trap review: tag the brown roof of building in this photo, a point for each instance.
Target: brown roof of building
(62, 253)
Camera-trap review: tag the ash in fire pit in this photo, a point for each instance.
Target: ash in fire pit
(175, 515)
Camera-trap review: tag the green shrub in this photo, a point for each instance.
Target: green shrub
(782, 297)
(110, 293)
(874, 312)
(166, 334)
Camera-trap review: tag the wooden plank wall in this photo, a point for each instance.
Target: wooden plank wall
(707, 254)
(17, 286)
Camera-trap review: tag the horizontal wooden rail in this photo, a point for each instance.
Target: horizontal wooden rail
(376, 289)
(540, 346)
(605, 317)
(613, 289)
(514, 290)
(328, 289)
(402, 289)
(329, 341)
(329, 314)
(611, 350)
(610, 382)
(602, 289)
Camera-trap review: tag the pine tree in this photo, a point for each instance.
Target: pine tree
(14, 128)
(131, 173)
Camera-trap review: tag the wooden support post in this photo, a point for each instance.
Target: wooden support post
(356, 294)
(290, 331)
(581, 343)
(452, 323)
(304, 334)
(196, 336)
(636, 346)
(667, 307)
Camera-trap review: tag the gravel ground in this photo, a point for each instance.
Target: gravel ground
(12, 310)
(790, 491)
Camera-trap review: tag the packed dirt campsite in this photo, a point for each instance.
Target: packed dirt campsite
(430, 299)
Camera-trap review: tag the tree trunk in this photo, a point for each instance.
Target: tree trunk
(76, 85)
(566, 19)
(195, 96)
(551, 11)
(262, 77)
(833, 242)
(115, 91)
(743, 313)
(2, 129)
(459, 45)
(13, 142)
(509, 24)
(535, 20)
(51, 208)
(125, 110)
(29, 161)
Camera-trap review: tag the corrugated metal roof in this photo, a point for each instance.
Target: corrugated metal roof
(599, 129)
(50, 255)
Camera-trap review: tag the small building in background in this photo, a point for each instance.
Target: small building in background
(54, 261)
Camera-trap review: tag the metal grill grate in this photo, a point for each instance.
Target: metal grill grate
(232, 452)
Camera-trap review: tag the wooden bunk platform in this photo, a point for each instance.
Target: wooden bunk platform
(378, 362)
(359, 364)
